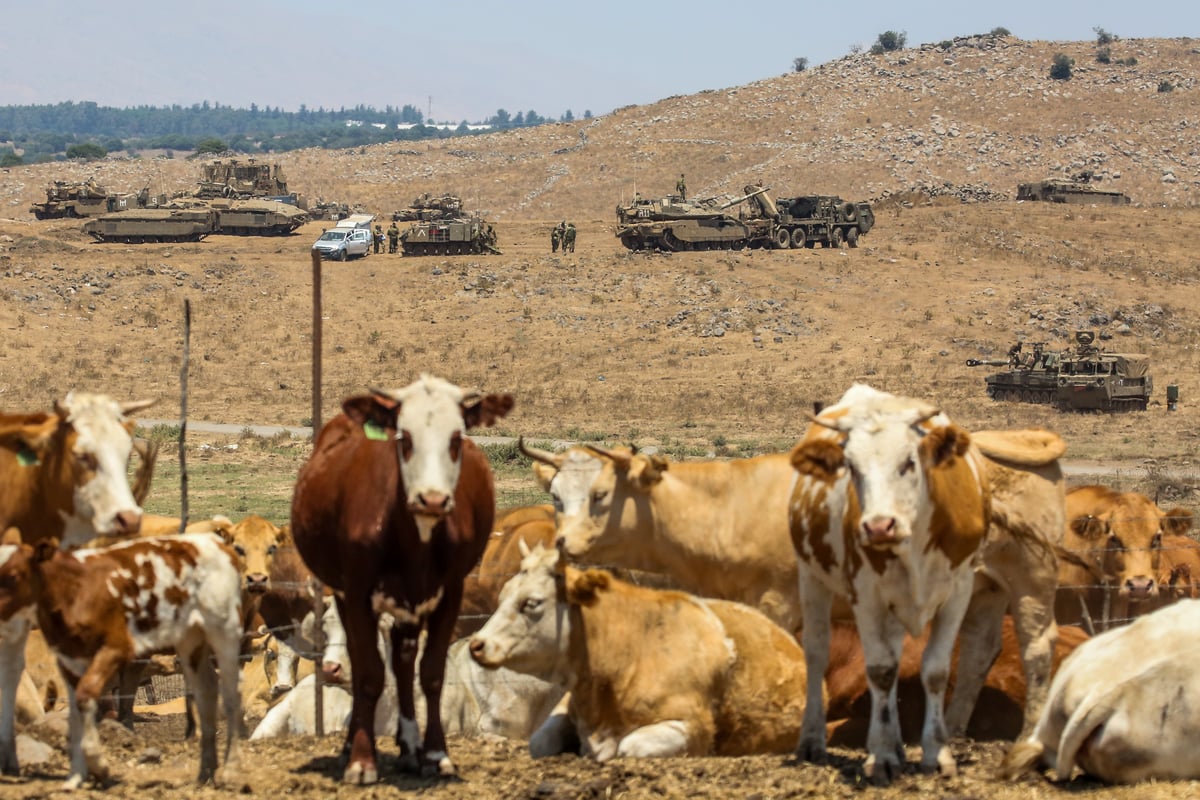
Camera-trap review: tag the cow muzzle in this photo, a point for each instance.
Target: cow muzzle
(1140, 587)
(881, 532)
(256, 584)
(332, 672)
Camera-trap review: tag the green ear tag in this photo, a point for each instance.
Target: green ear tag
(373, 431)
(26, 457)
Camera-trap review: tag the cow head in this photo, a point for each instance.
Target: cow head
(895, 450)
(600, 495)
(335, 660)
(81, 452)
(255, 541)
(428, 420)
(530, 629)
(1128, 534)
(16, 588)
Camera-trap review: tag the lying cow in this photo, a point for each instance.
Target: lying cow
(99, 609)
(652, 673)
(1125, 706)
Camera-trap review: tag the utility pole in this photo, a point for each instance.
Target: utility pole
(429, 110)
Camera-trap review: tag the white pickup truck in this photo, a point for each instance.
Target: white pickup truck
(340, 244)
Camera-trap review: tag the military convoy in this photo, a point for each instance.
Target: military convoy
(1083, 380)
(676, 224)
(1078, 189)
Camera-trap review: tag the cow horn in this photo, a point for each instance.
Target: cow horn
(621, 460)
(147, 451)
(134, 406)
(544, 456)
(833, 426)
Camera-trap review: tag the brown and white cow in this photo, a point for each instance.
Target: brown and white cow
(1119, 537)
(288, 612)
(890, 509)
(99, 609)
(710, 527)
(651, 673)
(1125, 706)
(391, 511)
(62, 476)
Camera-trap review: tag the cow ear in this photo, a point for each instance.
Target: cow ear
(818, 458)
(544, 474)
(283, 533)
(1089, 527)
(583, 587)
(485, 411)
(45, 549)
(31, 439)
(944, 443)
(1178, 521)
(645, 471)
(378, 411)
(12, 535)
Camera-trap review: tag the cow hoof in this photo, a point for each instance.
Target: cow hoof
(883, 770)
(360, 774)
(944, 765)
(436, 766)
(408, 762)
(812, 752)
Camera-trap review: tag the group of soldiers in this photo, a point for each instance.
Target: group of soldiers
(564, 235)
(393, 238)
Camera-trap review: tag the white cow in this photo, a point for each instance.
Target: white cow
(1125, 706)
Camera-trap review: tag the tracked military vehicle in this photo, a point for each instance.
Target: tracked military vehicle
(675, 224)
(447, 237)
(74, 199)
(427, 208)
(258, 217)
(1089, 380)
(154, 225)
(1029, 378)
(1078, 189)
(241, 180)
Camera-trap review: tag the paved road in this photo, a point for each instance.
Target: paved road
(1069, 467)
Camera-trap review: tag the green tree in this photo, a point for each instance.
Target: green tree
(1103, 37)
(211, 145)
(1104, 55)
(9, 158)
(89, 151)
(799, 64)
(1060, 68)
(889, 41)
(1001, 31)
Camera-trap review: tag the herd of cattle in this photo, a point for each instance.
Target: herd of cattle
(894, 578)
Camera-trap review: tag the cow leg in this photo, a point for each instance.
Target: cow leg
(979, 644)
(405, 647)
(1037, 633)
(935, 676)
(366, 680)
(439, 630)
(79, 767)
(660, 740)
(818, 603)
(197, 666)
(557, 734)
(129, 679)
(229, 670)
(883, 641)
(105, 664)
(13, 635)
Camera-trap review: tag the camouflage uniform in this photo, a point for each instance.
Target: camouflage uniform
(681, 187)
(378, 239)
(569, 238)
(554, 236)
(393, 234)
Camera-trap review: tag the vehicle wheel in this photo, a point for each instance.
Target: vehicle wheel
(852, 237)
(798, 238)
(341, 255)
(835, 237)
(783, 239)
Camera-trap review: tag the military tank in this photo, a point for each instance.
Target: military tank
(1029, 378)
(154, 225)
(74, 199)
(1090, 380)
(426, 208)
(675, 224)
(259, 218)
(448, 237)
(1078, 189)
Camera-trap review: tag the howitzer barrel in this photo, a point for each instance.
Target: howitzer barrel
(987, 362)
(742, 199)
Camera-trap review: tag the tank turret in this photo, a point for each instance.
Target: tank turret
(1030, 377)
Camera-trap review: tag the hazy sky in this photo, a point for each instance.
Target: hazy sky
(465, 59)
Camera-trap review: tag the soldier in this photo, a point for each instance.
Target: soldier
(378, 239)
(393, 235)
(569, 238)
(554, 237)
(681, 188)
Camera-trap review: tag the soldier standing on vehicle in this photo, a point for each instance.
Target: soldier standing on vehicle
(569, 238)
(393, 234)
(681, 188)
(378, 238)
(554, 237)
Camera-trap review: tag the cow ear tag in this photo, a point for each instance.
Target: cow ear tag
(374, 431)
(26, 457)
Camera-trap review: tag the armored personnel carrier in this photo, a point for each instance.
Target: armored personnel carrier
(447, 237)
(258, 217)
(675, 224)
(1029, 378)
(1078, 189)
(1089, 380)
(154, 225)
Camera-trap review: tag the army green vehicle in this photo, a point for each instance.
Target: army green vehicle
(1089, 380)
(674, 224)
(74, 199)
(1029, 378)
(240, 180)
(448, 237)
(428, 207)
(258, 217)
(1078, 189)
(154, 225)
(825, 219)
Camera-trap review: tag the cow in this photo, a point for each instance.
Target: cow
(287, 610)
(101, 608)
(705, 524)
(1118, 536)
(890, 510)
(63, 477)
(501, 560)
(999, 713)
(1125, 706)
(392, 510)
(652, 673)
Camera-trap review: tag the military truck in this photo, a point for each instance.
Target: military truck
(1077, 189)
(1031, 377)
(830, 220)
(1090, 380)
(241, 180)
(446, 237)
(154, 225)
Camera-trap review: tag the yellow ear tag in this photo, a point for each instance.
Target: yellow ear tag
(373, 431)
(26, 457)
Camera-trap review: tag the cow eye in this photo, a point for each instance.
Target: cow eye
(1115, 544)
(558, 503)
(455, 445)
(271, 550)
(907, 466)
(241, 551)
(1156, 542)
(406, 445)
(88, 461)
(530, 605)
(598, 497)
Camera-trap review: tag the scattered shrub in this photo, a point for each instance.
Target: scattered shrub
(889, 41)
(1104, 55)
(1060, 68)
(799, 64)
(1001, 31)
(1103, 37)
(1165, 86)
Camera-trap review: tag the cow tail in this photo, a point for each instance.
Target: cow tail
(1079, 728)
(1022, 758)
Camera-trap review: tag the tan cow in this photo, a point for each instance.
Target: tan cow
(1119, 537)
(719, 530)
(652, 673)
(501, 560)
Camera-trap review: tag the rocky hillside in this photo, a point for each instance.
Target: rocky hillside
(971, 117)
